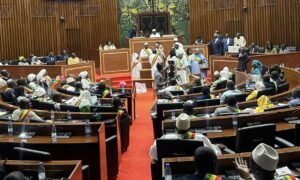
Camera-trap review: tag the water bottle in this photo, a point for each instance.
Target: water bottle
(110, 91)
(41, 171)
(173, 115)
(99, 102)
(207, 124)
(123, 90)
(52, 117)
(234, 121)
(53, 133)
(10, 130)
(69, 117)
(168, 172)
(87, 129)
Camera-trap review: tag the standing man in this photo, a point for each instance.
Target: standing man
(51, 58)
(227, 41)
(216, 44)
(158, 77)
(146, 52)
(160, 50)
(154, 59)
(182, 66)
(239, 40)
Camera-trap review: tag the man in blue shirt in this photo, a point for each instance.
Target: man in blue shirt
(296, 98)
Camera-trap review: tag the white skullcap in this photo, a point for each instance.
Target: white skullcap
(39, 92)
(146, 43)
(41, 74)
(175, 39)
(31, 77)
(83, 74)
(183, 122)
(265, 157)
(153, 30)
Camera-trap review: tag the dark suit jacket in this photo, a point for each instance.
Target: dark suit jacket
(51, 58)
(225, 46)
(216, 46)
(243, 60)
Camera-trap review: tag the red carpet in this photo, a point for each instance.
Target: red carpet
(116, 78)
(135, 164)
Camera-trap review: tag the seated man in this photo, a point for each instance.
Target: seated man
(64, 56)
(154, 34)
(15, 175)
(83, 77)
(103, 91)
(267, 82)
(263, 163)
(296, 98)
(206, 163)
(275, 78)
(205, 94)
(188, 109)
(230, 108)
(51, 58)
(231, 91)
(78, 87)
(173, 86)
(182, 127)
(73, 59)
(24, 113)
(197, 83)
(109, 46)
(8, 92)
(217, 78)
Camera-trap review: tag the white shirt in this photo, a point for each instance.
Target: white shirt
(154, 35)
(145, 53)
(240, 42)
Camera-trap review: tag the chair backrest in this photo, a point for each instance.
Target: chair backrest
(277, 108)
(30, 154)
(266, 92)
(102, 109)
(72, 93)
(177, 93)
(64, 107)
(36, 104)
(207, 102)
(176, 147)
(283, 87)
(240, 97)
(197, 89)
(297, 135)
(248, 138)
(221, 85)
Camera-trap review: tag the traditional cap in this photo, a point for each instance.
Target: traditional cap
(183, 122)
(175, 39)
(31, 77)
(265, 157)
(197, 49)
(83, 74)
(153, 30)
(39, 92)
(146, 43)
(41, 74)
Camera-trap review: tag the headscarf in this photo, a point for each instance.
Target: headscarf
(257, 67)
(70, 80)
(31, 77)
(225, 73)
(83, 74)
(134, 57)
(41, 74)
(87, 95)
(263, 103)
(39, 92)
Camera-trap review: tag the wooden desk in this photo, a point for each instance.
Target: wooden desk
(114, 61)
(53, 70)
(186, 165)
(136, 44)
(91, 150)
(54, 169)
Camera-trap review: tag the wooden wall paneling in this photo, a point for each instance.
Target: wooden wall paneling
(260, 21)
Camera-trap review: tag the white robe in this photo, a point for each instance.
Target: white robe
(153, 65)
(85, 84)
(144, 54)
(135, 73)
(154, 35)
(182, 69)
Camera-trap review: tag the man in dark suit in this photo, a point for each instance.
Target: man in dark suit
(253, 48)
(216, 44)
(65, 56)
(51, 58)
(227, 41)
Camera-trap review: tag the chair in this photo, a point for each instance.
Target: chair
(112, 157)
(297, 134)
(221, 85)
(172, 148)
(266, 92)
(283, 87)
(248, 138)
(177, 93)
(207, 102)
(197, 89)
(102, 109)
(277, 108)
(240, 97)
(30, 154)
(69, 108)
(36, 104)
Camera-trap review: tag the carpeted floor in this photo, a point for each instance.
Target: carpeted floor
(135, 164)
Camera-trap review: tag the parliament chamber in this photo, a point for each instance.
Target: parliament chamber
(140, 90)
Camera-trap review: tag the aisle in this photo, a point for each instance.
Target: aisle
(135, 162)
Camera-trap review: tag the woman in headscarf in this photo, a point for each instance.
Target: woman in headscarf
(253, 95)
(256, 67)
(263, 103)
(86, 101)
(31, 79)
(84, 79)
(42, 76)
(39, 93)
(136, 66)
(70, 83)
(225, 74)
